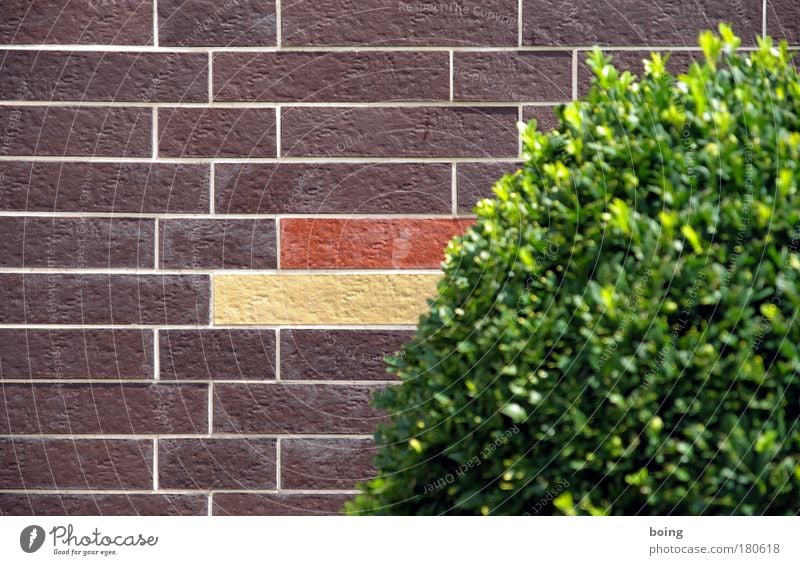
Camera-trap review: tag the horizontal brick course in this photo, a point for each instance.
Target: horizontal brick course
(217, 354)
(475, 181)
(294, 409)
(389, 22)
(202, 463)
(76, 354)
(333, 188)
(86, 464)
(216, 132)
(77, 21)
(103, 409)
(99, 504)
(339, 354)
(319, 243)
(104, 187)
(331, 77)
(326, 463)
(76, 242)
(217, 244)
(399, 132)
(98, 76)
(223, 23)
(103, 299)
(76, 131)
(257, 504)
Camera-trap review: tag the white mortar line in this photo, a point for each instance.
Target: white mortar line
(575, 75)
(454, 188)
(155, 23)
(452, 73)
(265, 160)
(211, 189)
(210, 409)
(210, 272)
(156, 357)
(278, 464)
(210, 77)
(57, 491)
(154, 138)
(278, 130)
(156, 242)
(205, 327)
(278, 24)
(277, 354)
(519, 24)
(764, 6)
(155, 464)
(124, 215)
(154, 437)
(210, 503)
(190, 382)
(274, 105)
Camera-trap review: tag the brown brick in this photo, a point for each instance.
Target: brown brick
(399, 132)
(103, 409)
(326, 463)
(103, 504)
(339, 354)
(517, 76)
(389, 22)
(104, 187)
(76, 354)
(77, 131)
(76, 242)
(103, 299)
(217, 244)
(257, 504)
(634, 22)
(77, 21)
(33, 463)
(217, 132)
(116, 77)
(783, 20)
(545, 117)
(331, 77)
(333, 188)
(632, 61)
(294, 408)
(202, 463)
(475, 181)
(216, 23)
(217, 354)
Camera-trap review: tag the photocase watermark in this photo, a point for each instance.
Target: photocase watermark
(744, 222)
(633, 302)
(551, 494)
(352, 353)
(539, 259)
(502, 89)
(459, 10)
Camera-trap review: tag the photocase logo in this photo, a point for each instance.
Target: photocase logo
(31, 539)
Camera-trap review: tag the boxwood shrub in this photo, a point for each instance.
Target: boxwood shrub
(618, 332)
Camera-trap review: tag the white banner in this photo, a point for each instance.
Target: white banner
(398, 540)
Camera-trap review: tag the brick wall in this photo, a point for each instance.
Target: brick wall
(217, 217)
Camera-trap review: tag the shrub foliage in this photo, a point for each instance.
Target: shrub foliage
(618, 333)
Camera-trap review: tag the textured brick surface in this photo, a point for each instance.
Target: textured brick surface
(105, 187)
(326, 463)
(217, 354)
(233, 464)
(369, 188)
(77, 21)
(103, 409)
(76, 354)
(103, 504)
(256, 504)
(366, 243)
(294, 409)
(216, 132)
(76, 242)
(339, 354)
(399, 132)
(76, 132)
(332, 77)
(86, 464)
(103, 299)
(217, 244)
(389, 22)
(114, 77)
(783, 20)
(475, 181)
(220, 23)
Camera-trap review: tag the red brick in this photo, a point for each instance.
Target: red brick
(107, 22)
(391, 22)
(331, 188)
(104, 187)
(77, 131)
(294, 408)
(326, 463)
(87, 464)
(217, 354)
(516, 76)
(76, 354)
(76, 242)
(97, 504)
(217, 244)
(321, 243)
(331, 77)
(217, 132)
(203, 463)
(475, 182)
(115, 77)
(216, 23)
(103, 409)
(103, 299)
(399, 132)
(257, 504)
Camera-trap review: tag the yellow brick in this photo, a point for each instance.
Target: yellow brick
(321, 299)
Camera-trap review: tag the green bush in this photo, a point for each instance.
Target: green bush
(618, 333)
